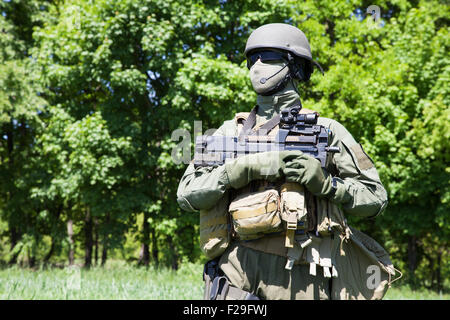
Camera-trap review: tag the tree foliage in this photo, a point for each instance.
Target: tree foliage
(90, 92)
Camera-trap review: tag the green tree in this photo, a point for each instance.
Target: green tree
(86, 135)
(386, 81)
(19, 123)
(126, 61)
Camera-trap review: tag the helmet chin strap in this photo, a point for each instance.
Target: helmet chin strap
(295, 87)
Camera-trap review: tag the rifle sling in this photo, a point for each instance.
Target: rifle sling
(265, 128)
(249, 123)
(268, 126)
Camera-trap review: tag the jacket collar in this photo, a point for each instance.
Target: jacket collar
(269, 106)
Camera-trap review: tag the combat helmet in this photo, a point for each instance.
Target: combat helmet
(287, 39)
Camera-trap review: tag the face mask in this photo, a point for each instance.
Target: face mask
(267, 77)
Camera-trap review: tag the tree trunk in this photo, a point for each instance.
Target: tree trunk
(412, 256)
(433, 272)
(174, 253)
(144, 259)
(141, 254)
(88, 241)
(50, 252)
(71, 244)
(438, 273)
(105, 240)
(15, 237)
(154, 247)
(96, 242)
(104, 254)
(31, 257)
(53, 247)
(14, 234)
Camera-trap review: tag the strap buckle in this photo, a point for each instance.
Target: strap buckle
(292, 221)
(289, 263)
(219, 288)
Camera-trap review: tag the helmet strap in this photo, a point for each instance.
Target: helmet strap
(295, 87)
(297, 71)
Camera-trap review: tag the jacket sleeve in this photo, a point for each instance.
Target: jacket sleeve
(200, 188)
(363, 193)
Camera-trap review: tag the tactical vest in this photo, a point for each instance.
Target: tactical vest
(284, 219)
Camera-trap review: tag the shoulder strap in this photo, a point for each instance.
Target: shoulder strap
(272, 123)
(240, 117)
(249, 122)
(269, 125)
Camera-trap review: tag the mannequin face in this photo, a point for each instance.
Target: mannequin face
(265, 76)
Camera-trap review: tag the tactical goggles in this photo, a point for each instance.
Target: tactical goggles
(265, 56)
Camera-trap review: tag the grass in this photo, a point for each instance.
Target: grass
(406, 293)
(118, 281)
(114, 282)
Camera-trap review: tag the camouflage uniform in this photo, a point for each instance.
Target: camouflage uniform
(264, 273)
(259, 266)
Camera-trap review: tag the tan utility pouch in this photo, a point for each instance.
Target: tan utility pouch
(293, 210)
(294, 216)
(214, 229)
(255, 214)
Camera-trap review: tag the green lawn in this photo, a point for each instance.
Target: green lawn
(119, 281)
(114, 282)
(405, 293)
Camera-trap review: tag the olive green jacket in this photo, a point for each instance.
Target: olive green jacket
(364, 195)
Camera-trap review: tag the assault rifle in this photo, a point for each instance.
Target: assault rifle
(296, 132)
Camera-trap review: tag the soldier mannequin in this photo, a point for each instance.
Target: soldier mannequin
(278, 58)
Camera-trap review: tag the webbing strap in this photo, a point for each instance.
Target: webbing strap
(220, 233)
(239, 294)
(319, 254)
(269, 125)
(289, 242)
(210, 271)
(214, 221)
(249, 213)
(249, 123)
(221, 289)
(293, 254)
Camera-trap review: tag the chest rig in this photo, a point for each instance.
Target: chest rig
(300, 227)
(303, 234)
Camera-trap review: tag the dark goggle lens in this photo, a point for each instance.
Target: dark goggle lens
(264, 56)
